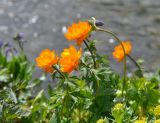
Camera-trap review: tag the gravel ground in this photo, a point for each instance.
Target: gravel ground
(42, 21)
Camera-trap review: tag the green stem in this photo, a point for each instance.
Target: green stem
(20, 45)
(63, 101)
(92, 55)
(139, 68)
(114, 35)
(134, 111)
(54, 67)
(94, 62)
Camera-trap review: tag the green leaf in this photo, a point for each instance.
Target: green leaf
(12, 95)
(39, 95)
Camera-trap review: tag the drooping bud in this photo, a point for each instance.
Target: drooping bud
(19, 36)
(99, 23)
(20, 39)
(95, 23)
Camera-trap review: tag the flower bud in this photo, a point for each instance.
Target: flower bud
(99, 23)
(19, 37)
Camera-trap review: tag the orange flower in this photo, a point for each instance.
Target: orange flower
(70, 59)
(78, 32)
(118, 50)
(46, 60)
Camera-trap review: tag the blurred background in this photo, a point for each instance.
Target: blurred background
(43, 23)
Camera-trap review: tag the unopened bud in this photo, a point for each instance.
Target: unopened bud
(99, 23)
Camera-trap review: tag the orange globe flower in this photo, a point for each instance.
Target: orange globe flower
(118, 50)
(46, 60)
(78, 32)
(69, 59)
